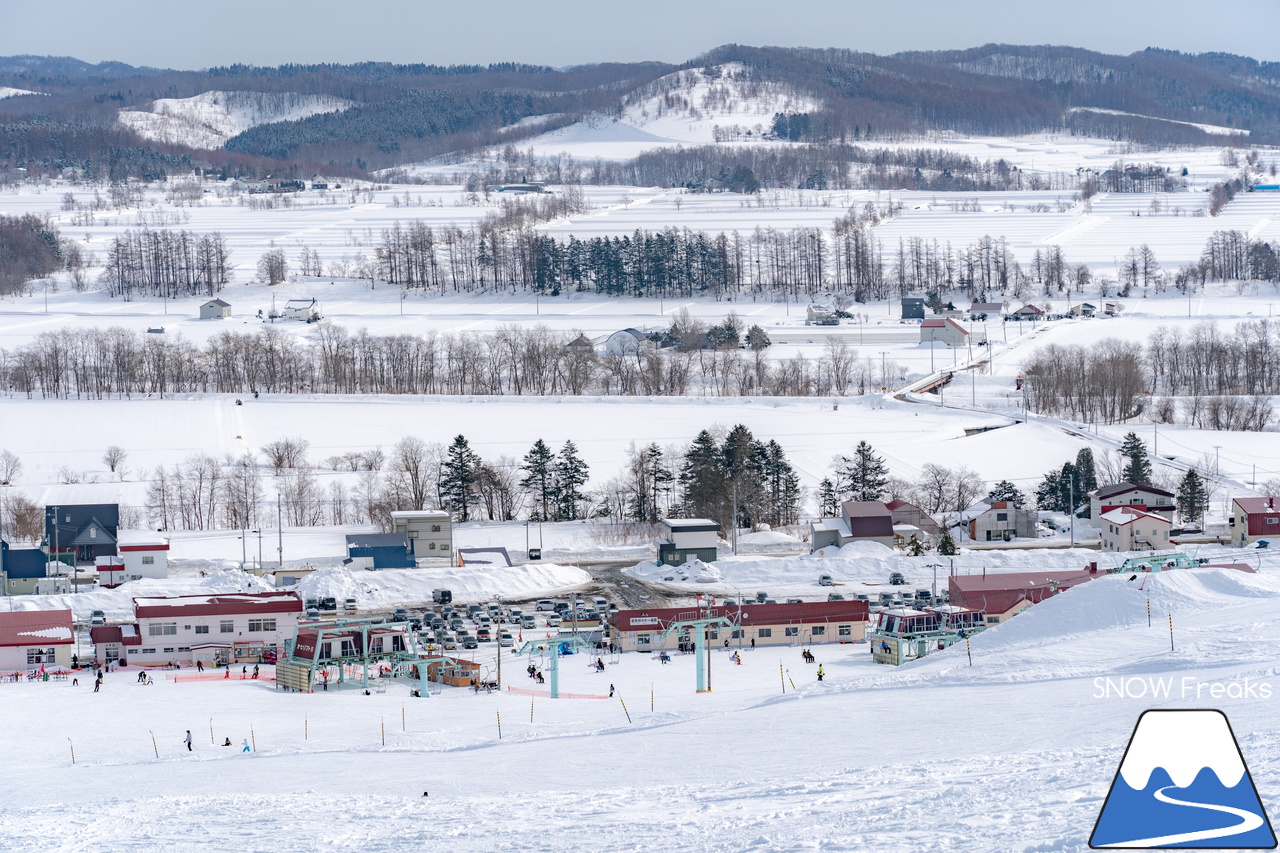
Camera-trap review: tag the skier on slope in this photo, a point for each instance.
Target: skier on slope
(187, 740)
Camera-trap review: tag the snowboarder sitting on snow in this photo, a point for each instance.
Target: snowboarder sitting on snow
(228, 742)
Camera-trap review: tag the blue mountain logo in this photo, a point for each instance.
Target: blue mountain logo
(1183, 784)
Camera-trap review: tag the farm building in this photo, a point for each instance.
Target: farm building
(306, 310)
(999, 520)
(943, 330)
(215, 309)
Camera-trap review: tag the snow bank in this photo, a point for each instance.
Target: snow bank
(117, 603)
(412, 587)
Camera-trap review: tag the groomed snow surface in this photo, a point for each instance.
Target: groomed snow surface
(1012, 753)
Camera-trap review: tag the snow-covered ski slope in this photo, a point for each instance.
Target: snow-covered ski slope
(209, 119)
(696, 106)
(1012, 753)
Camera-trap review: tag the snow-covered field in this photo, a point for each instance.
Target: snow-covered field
(1012, 753)
(209, 119)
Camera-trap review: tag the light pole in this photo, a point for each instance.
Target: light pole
(244, 557)
(884, 372)
(259, 532)
(935, 567)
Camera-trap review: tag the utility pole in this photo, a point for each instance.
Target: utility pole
(280, 531)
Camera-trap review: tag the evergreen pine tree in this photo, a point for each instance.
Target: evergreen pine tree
(1069, 485)
(864, 476)
(782, 487)
(1006, 491)
(571, 474)
(1086, 471)
(947, 545)
(742, 462)
(458, 478)
(915, 547)
(1192, 497)
(1049, 492)
(828, 501)
(702, 480)
(1137, 469)
(539, 481)
(659, 477)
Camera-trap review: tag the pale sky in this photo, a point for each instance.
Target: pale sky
(191, 34)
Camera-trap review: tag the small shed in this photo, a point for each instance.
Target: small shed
(215, 309)
(380, 551)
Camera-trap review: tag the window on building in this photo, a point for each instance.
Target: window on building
(642, 639)
(818, 630)
(184, 648)
(995, 620)
(1273, 521)
(792, 630)
(737, 634)
(348, 648)
(764, 632)
(258, 625)
(227, 626)
(326, 650)
(162, 629)
(93, 533)
(713, 634)
(38, 656)
(1002, 516)
(431, 547)
(202, 629)
(146, 651)
(845, 631)
(148, 560)
(435, 528)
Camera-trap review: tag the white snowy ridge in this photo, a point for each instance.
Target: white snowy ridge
(1183, 743)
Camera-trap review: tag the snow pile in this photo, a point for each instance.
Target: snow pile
(691, 572)
(117, 603)
(209, 119)
(391, 588)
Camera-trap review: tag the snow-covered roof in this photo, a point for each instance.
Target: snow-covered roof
(1127, 515)
(35, 627)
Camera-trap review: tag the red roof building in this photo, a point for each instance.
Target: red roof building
(247, 627)
(1003, 595)
(31, 639)
(1253, 519)
(754, 624)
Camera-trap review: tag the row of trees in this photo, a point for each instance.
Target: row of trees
(98, 363)
(29, 249)
(1201, 376)
(166, 263)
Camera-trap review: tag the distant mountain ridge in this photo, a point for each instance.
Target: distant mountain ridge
(378, 115)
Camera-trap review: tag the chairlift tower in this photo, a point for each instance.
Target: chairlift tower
(700, 621)
(557, 646)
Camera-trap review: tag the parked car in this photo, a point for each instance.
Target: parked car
(484, 635)
(826, 580)
(545, 604)
(834, 596)
(886, 599)
(313, 604)
(795, 601)
(469, 642)
(600, 603)
(526, 622)
(441, 596)
(449, 641)
(514, 615)
(401, 615)
(349, 604)
(762, 597)
(313, 614)
(97, 618)
(896, 579)
(506, 640)
(560, 607)
(553, 621)
(328, 604)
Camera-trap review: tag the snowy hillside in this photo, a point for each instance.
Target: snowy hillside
(1013, 752)
(9, 92)
(697, 106)
(209, 119)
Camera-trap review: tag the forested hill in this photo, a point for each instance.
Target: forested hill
(113, 120)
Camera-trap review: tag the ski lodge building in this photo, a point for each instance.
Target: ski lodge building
(31, 639)
(1006, 594)
(1253, 519)
(649, 629)
(248, 627)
